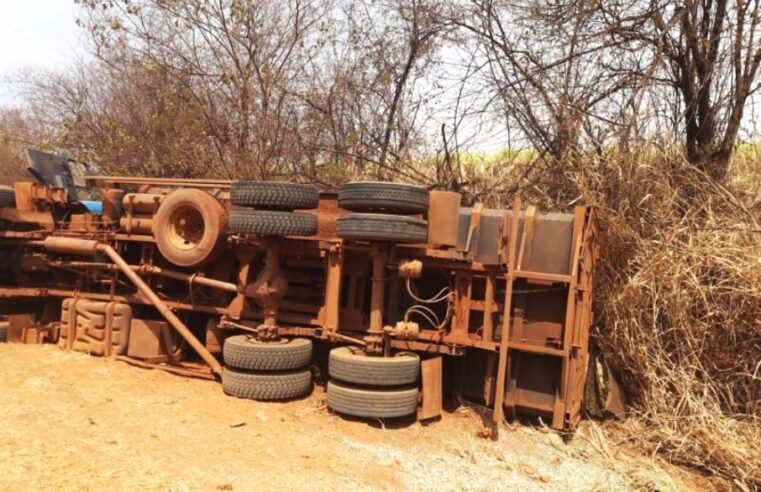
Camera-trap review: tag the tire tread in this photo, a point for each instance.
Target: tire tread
(373, 371)
(375, 403)
(266, 386)
(382, 227)
(383, 197)
(272, 195)
(272, 223)
(242, 354)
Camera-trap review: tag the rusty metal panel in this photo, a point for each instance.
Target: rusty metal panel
(551, 244)
(147, 339)
(431, 375)
(31, 196)
(488, 239)
(23, 219)
(547, 251)
(84, 222)
(542, 311)
(443, 213)
(327, 213)
(534, 382)
(18, 324)
(95, 327)
(481, 242)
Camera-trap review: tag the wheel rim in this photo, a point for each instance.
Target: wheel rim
(186, 228)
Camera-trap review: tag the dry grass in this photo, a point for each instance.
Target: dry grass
(679, 297)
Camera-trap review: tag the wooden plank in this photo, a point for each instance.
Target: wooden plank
(431, 373)
(498, 413)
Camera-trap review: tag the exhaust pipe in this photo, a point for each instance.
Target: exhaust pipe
(90, 247)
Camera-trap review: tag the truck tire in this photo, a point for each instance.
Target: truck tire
(3, 331)
(274, 196)
(189, 227)
(383, 197)
(378, 403)
(381, 227)
(246, 352)
(7, 197)
(353, 366)
(266, 386)
(272, 223)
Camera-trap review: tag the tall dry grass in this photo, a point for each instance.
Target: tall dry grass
(678, 295)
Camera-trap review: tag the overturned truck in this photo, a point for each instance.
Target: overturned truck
(390, 294)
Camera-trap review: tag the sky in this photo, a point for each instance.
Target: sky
(43, 35)
(38, 35)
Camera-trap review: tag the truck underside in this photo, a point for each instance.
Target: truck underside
(167, 270)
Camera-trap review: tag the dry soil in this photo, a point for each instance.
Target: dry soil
(69, 421)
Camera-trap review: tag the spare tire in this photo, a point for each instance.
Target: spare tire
(376, 402)
(381, 227)
(383, 197)
(189, 227)
(246, 352)
(354, 366)
(7, 197)
(272, 223)
(270, 195)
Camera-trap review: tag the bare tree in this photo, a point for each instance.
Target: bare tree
(16, 132)
(143, 124)
(304, 88)
(236, 59)
(365, 86)
(709, 52)
(546, 65)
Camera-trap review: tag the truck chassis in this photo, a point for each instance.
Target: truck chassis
(481, 274)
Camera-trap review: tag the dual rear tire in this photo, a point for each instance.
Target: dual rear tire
(266, 370)
(375, 403)
(270, 195)
(376, 387)
(382, 208)
(362, 385)
(382, 227)
(381, 197)
(265, 208)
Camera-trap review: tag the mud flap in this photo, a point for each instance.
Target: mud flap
(430, 370)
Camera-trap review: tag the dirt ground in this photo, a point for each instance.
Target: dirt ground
(69, 421)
